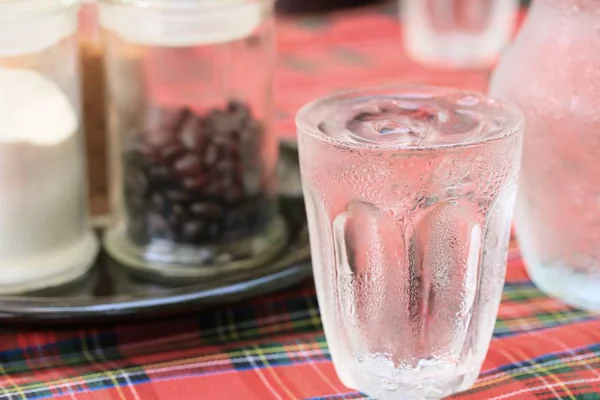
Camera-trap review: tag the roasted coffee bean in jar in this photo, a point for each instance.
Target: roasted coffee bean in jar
(192, 149)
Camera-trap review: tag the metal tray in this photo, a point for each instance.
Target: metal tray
(109, 292)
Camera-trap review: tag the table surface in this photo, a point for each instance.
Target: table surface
(273, 347)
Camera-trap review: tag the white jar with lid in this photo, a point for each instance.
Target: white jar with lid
(44, 235)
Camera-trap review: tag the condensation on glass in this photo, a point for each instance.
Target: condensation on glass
(457, 33)
(551, 73)
(193, 153)
(44, 235)
(409, 194)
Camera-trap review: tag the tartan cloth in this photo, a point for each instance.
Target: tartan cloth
(273, 347)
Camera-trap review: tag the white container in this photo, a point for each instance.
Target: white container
(44, 237)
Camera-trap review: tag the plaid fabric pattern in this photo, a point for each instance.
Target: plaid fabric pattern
(273, 347)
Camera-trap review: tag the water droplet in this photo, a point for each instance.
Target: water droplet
(444, 247)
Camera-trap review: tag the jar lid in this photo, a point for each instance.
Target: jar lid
(30, 26)
(179, 23)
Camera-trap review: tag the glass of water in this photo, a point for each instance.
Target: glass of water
(457, 33)
(409, 193)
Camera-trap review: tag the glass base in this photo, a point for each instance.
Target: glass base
(576, 289)
(49, 269)
(574, 286)
(173, 263)
(431, 382)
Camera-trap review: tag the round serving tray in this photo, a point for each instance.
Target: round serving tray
(109, 292)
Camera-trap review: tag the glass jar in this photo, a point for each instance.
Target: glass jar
(551, 72)
(44, 236)
(457, 33)
(193, 152)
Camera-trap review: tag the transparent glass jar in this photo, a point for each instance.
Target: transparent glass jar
(193, 152)
(44, 235)
(457, 33)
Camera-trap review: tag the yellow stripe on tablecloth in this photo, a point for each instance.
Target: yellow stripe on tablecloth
(225, 357)
(262, 376)
(12, 382)
(272, 372)
(314, 346)
(105, 372)
(549, 374)
(532, 369)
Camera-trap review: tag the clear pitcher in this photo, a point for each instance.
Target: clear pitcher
(552, 72)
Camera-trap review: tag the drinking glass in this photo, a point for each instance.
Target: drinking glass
(457, 33)
(409, 194)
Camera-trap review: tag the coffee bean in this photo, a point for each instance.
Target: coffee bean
(233, 194)
(193, 230)
(192, 133)
(195, 183)
(238, 107)
(178, 196)
(163, 124)
(239, 112)
(201, 182)
(221, 122)
(172, 153)
(216, 190)
(225, 140)
(188, 164)
(225, 166)
(207, 210)
(159, 173)
(178, 210)
(211, 154)
(251, 134)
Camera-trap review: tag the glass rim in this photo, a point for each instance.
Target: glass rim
(305, 126)
(185, 4)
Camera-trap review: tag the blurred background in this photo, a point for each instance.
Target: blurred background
(327, 5)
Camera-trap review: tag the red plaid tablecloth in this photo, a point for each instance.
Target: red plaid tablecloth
(273, 347)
